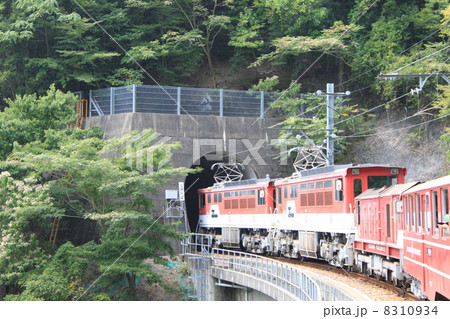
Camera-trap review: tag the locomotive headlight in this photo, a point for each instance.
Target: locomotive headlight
(394, 171)
(355, 171)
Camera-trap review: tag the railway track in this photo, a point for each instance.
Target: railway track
(375, 289)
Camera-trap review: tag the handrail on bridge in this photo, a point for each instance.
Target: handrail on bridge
(274, 272)
(290, 279)
(282, 276)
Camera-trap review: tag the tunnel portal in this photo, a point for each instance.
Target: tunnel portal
(204, 179)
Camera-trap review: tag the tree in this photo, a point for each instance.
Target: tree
(205, 22)
(331, 42)
(28, 117)
(443, 105)
(24, 208)
(305, 118)
(81, 170)
(45, 42)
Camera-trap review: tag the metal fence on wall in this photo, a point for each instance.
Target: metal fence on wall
(181, 100)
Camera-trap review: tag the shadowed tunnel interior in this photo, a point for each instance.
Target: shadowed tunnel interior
(204, 179)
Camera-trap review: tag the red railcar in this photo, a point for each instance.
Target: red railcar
(426, 240)
(378, 242)
(402, 236)
(323, 199)
(358, 216)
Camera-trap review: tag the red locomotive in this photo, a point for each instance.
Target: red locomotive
(360, 217)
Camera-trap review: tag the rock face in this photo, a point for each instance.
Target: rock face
(422, 155)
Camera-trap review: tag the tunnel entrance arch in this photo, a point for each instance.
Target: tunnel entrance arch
(203, 179)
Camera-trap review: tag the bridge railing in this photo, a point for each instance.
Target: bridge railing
(280, 275)
(181, 100)
(303, 285)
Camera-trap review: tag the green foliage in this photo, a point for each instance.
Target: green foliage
(205, 20)
(62, 278)
(28, 117)
(246, 34)
(305, 118)
(330, 42)
(443, 104)
(54, 41)
(71, 172)
(104, 181)
(45, 42)
(24, 206)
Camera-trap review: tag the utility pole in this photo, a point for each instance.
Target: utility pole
(330, 120)
(330, 124)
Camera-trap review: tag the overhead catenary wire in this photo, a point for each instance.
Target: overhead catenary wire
(318, 130)
(402, 120)
(348, 119)
(398, 129)
(389, 60)
(418, 60)
(272, 155)
(370, 86)
(381, 105)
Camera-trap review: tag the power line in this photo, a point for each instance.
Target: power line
(127, 53)
(399, 121)
(389, 60)
(373, 109)
(425, 57)
(376, 107)
(399, 129)
(350, 136)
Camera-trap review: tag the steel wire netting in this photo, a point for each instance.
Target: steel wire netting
(182, 100)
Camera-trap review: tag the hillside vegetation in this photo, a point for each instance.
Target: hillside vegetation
(49, 172)
(82, 45)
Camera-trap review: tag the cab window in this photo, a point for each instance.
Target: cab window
(418, 212)
(381, 181)
(412, 212)
(445, 212)
(338, 190)
(202, 200)
(357, 187)
(406, 211)
(261, 198)
(434, 212)
(279, 195)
